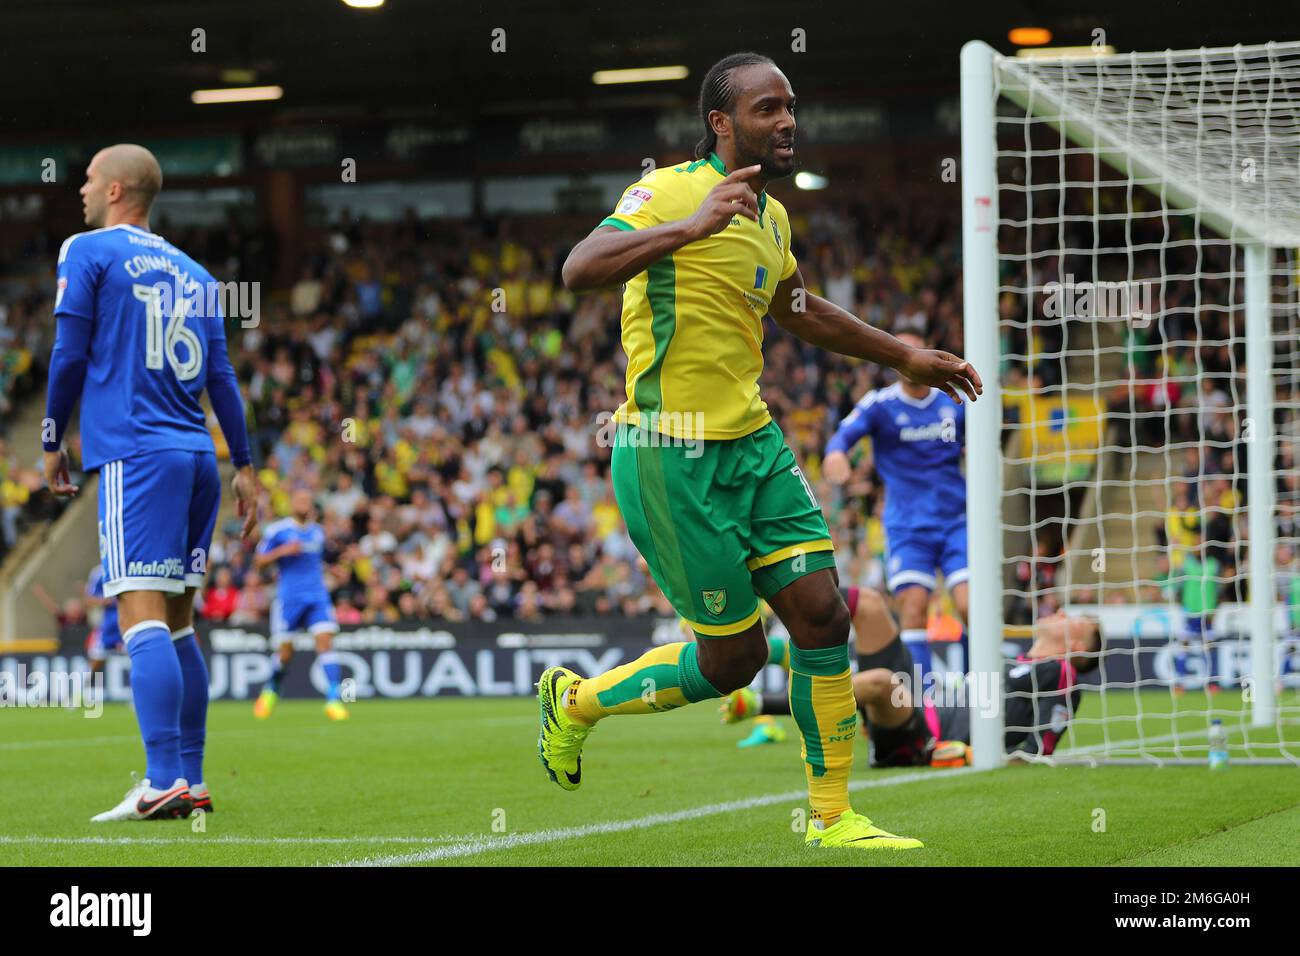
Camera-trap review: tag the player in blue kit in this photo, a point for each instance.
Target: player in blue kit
(917, 435)
(107, 637)
(296, 546)
(138, 342)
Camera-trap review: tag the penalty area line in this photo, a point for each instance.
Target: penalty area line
(487, 844)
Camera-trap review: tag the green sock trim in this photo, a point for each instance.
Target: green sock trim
(776, 648)
(659, 676)
(695, 686)
(822, 662)
(805, 715)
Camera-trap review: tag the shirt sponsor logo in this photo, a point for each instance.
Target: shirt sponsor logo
(634, 199)
(945, 430)
(168, 568)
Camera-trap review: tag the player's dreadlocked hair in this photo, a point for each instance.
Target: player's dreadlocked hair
(717, 93)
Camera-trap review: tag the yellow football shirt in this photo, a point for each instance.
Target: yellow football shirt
(692, 322)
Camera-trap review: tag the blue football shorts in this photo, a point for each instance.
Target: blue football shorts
(157, 511)
(915, 553)
(313, 615)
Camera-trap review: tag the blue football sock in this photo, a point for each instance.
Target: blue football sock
(278, 667)
(194, 703)
(329, 662)
(156, 687)
(965, 651)
(918, 642)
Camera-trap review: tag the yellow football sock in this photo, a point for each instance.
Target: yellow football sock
(664, 678)
(821, 700)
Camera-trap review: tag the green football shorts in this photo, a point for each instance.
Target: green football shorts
(720, 523)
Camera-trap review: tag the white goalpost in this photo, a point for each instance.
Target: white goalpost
(1132, 300)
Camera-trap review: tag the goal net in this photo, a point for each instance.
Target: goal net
(1131, 224)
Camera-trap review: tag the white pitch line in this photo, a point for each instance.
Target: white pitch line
(67, 742)
(200, 840)
(484, 844)
(222, 735)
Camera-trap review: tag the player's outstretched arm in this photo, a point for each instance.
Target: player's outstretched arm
(47, 602)
(824, 324)
(264, 557)
(835, 465)
(610, 256)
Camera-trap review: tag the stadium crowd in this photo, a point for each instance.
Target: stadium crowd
(445, 400)
(25, 340)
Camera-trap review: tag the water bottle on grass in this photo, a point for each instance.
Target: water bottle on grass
(1218, 745)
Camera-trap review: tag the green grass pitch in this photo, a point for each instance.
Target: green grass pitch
(457, 782)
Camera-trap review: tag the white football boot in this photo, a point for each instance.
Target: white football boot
(146, 802)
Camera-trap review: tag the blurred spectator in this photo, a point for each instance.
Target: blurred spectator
(71, 613)
(222, 597)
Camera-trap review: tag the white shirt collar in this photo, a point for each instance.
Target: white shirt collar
(917, 402)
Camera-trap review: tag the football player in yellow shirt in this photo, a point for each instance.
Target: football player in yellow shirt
(711, 494)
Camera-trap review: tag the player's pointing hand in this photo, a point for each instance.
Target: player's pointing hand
(734, 196)
(944, 371)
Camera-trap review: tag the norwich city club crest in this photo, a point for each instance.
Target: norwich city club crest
(715, 601)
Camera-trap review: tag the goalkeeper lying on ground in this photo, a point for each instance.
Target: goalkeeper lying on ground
(1039, 687)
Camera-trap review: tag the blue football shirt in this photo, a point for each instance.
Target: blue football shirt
(149, 346)
(302, 575)
(917, 446)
